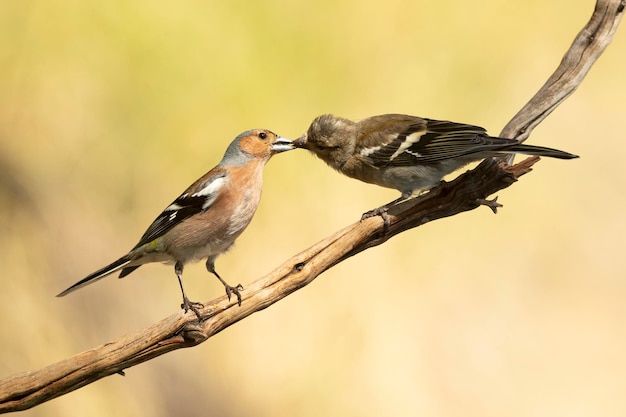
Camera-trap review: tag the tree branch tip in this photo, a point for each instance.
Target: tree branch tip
(522, 167)
(492, 204)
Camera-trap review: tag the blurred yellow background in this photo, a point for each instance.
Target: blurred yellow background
(108, 110)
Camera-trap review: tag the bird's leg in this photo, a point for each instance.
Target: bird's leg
(186, 305)
(210, 266)
(378, 211)
(382, 210)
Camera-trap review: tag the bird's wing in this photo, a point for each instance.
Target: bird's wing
(413, 140)
(196, 199)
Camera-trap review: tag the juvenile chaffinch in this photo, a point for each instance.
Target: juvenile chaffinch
(407, 153)
(204, 221)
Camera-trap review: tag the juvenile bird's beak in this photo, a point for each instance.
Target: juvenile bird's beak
(300, 142)
(282, 145)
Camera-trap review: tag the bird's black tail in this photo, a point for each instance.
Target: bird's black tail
(99, 274)
(539, 151)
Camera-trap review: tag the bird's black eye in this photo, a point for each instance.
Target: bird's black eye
(263, 135)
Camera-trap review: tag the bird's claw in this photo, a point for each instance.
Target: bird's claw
(380, 211)
(234, 290)
(193, 306)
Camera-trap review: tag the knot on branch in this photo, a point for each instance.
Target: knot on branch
(193, 333)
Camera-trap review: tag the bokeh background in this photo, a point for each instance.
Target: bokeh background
(109, 109)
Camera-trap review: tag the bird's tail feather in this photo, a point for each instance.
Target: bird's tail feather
(99, 274)
(540, 151)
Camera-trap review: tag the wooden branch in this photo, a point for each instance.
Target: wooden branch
(587, 47)
(468, 191)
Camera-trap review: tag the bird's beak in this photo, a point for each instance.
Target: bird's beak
(300, 142)
(282, 145)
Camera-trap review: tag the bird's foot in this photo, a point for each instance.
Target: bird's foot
(380, 211)
(193, 306)
(234, 290)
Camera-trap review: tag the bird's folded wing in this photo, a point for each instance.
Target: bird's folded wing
(196, 199)
(433, 142)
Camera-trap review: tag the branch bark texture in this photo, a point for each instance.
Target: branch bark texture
(467, 192)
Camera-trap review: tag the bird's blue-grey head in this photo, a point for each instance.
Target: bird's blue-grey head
(255, 144)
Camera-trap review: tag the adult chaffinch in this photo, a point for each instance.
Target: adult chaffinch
(204, 221)
(408, 153)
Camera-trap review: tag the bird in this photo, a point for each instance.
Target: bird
(204, 221)
(407, 153)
